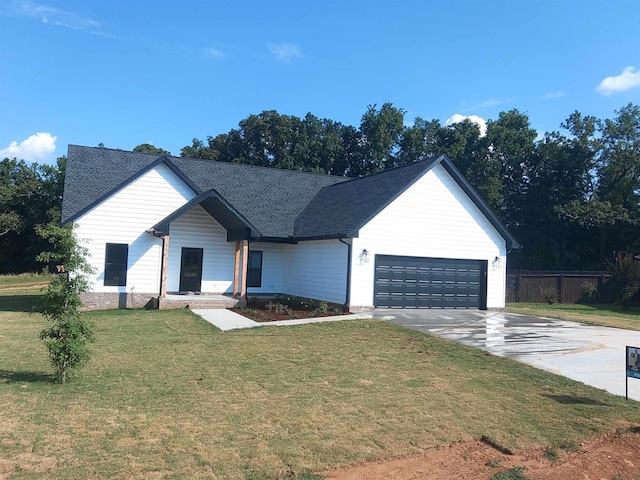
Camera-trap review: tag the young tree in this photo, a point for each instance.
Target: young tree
(69, 334)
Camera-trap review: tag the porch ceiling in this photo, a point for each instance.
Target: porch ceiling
(237, 227)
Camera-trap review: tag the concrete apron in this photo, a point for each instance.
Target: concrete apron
(589, 354)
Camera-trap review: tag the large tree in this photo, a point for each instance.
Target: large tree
(30, 194)
(149, 148)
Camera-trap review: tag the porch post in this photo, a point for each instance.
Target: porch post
(245, 261)
(165, 263)
(236, 271)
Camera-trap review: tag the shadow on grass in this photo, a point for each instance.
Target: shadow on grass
(20, 303)
(25, 377)
(572, 400)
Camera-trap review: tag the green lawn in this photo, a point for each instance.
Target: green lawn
(168, 395)
(24, 280)
(595, 314)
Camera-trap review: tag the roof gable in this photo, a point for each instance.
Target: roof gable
(268, 199)
(354, 203)
(269, 203)
(94, 174)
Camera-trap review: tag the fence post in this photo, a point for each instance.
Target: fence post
(560, 287)
(518, 288)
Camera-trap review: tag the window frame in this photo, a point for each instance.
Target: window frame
(116, 264)
(254, 274)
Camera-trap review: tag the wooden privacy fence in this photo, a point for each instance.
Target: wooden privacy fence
(530, 286)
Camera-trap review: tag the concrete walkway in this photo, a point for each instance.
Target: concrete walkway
(586, 353)
(228, 320)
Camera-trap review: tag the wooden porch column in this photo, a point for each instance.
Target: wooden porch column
(245, 261)
(236, 271)
(165, 263)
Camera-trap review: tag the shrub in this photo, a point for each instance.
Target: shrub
(322, 308)
(550, 295)
(278, 308)
(625, 273)
(588, 291)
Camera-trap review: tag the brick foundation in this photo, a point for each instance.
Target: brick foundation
(106, 301)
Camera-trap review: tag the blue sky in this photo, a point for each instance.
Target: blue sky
(123, 73)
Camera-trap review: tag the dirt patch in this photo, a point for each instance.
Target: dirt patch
(286, 308)
(272, 316)
(614, 456)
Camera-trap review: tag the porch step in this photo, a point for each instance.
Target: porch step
(195, 302)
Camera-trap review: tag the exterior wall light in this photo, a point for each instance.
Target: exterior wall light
(364, 256)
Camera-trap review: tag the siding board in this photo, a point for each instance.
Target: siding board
(124, 218)
(432, 218)
(196, 229)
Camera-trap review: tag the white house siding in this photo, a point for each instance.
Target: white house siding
(124, 217)
(197, 229)
(316, 269)
(432, 218)
(272, 267)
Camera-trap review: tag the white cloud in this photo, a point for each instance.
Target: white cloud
(214, 52)
(489, 103)
(627, 80)
(37, 148)
(457, 118)
(284, 52)
(553, 95)
(53, 16)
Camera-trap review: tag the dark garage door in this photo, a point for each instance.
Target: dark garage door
(419, 282)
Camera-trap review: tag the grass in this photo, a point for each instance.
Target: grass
(594, 314)
(23, 280)
(515, 473)
(168, 395)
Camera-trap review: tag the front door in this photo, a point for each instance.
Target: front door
(191, 269)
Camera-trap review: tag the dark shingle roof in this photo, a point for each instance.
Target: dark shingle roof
(274, 203)
(269, 198)
(342, 209)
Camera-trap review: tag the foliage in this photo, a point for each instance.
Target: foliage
(550, 295)
(69, 334)
(321, 309)
(278, 308)
(172, 378)
(30, 194)
(149, 148)
(588, 291)
(515, 473)
(552, 454)
(625, 273)
(571, 199)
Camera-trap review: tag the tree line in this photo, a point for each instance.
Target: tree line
(571, 197)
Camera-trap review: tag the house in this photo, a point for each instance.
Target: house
(416, 236)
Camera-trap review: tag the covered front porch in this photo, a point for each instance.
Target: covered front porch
(205, 254)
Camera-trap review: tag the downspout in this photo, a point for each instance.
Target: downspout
(347, 296)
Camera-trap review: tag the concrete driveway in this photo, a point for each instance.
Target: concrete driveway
(589, 354)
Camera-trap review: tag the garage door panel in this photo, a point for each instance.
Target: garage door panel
(422, 282)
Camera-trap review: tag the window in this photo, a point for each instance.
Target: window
(254, 272)
(115, 264)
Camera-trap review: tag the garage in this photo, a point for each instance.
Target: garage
(421, 282)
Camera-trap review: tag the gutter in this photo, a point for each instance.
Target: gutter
(347, 296)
